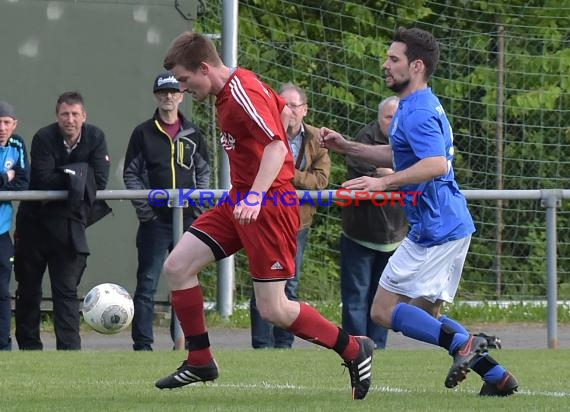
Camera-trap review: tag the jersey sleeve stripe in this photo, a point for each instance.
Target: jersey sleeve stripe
(239, 93)
(18, 145)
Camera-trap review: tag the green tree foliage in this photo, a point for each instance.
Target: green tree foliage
(335, 50)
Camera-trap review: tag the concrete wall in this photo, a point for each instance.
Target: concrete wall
(110, 51)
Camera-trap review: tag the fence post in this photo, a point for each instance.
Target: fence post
(551, 200)
(177, 232)
(226, 267)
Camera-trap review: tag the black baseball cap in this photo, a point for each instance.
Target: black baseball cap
(165, 81)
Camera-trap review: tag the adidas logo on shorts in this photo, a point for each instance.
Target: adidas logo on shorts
(277, 266)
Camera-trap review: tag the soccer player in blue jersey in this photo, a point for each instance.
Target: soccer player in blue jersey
(426, 269)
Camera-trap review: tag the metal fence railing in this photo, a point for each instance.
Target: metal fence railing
(177, 199)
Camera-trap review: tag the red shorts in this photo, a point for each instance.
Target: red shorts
(270, 242)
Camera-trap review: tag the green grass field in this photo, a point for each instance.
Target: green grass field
(272, 380)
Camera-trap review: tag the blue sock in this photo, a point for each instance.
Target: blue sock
(416, 323)
(461, 336)
(493, 375)
(458, 341)
(458, 327)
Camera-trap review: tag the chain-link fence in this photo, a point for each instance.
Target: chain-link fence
(504, 81)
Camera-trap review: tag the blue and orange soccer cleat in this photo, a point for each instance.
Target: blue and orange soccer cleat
(506, 387)
(464, 359)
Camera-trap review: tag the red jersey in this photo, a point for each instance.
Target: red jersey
(249, 116)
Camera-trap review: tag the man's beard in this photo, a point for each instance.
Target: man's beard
(398, 87)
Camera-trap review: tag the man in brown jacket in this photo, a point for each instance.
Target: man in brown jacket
(312, 171)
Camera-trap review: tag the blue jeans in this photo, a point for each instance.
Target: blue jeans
(154, 241)
(6, 253)
(360, 270)
(264, 334)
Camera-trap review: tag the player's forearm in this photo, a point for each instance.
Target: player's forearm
(379, 155)
(270, 166)
(424, 170)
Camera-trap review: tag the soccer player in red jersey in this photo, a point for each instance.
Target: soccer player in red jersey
(262, 218)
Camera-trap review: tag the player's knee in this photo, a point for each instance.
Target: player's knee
(375, 316)
(173, 269)
(380, 316)
(270, 313)
(266, 312)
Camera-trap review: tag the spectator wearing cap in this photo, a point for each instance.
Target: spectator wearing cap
(166, 151)
(15, 175)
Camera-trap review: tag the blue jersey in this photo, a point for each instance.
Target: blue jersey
(14, 157)
(420, 129)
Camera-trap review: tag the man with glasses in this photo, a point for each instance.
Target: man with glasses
(312, 171)
(164, 152)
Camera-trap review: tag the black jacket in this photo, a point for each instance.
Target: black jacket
(367, 222)
(83, 171)
(155, 161)
(68, 224)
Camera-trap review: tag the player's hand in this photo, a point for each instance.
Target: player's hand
(247, 210)
(333, 140)
(11, 175)
(370, 184)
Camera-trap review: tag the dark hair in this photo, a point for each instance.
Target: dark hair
(420, 45)
(69, 98)
(191, 49)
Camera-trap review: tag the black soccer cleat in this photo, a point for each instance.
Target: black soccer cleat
(360, 369)
(506, 387)
(493, 342)
(187, 374)
(464, 359)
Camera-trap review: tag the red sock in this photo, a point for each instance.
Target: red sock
(189, 307)
(314, 327)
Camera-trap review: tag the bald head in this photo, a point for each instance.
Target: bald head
(386, 110)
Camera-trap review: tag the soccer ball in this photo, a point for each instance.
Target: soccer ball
(108, 308)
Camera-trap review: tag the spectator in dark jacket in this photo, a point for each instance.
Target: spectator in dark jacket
(14, 175)
(370, 235)
(164, 152)
(66, 155)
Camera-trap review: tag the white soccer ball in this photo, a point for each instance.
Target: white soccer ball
(108, 308)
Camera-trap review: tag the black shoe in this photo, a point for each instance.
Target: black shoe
(464, 358)
(506, 387)
(187, 374)
(142, 348)
(493, 342)
(360, 369)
